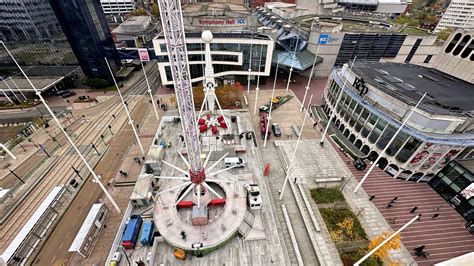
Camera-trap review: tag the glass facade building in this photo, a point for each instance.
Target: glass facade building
(233, 54)
(455, 184)
(49, 37)
(368, 125)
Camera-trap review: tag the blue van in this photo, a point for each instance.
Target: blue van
(147, 233)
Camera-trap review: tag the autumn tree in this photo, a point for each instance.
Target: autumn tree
(138, 12)
(155, 10)
(444, 34)
(383, 251)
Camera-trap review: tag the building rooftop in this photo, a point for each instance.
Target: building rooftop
(445, 93)
(193, 8)
(135, 24)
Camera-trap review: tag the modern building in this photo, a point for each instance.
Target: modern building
(338, 40)
(117, 6)
(459, 14)
(136, 31)
(87, 32)
(233, 54)
(53, 38)
(34, 36)
(377, 6)
(379, 96)
(455, 184)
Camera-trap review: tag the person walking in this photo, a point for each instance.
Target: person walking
(389, 205)
(435, 215)
(413, 210)
(419, 217)
(372, 197)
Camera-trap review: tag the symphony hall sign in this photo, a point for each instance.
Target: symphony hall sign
(219, 22)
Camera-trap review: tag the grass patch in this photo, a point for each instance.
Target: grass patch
(333, 217)
(349, 258)
(326, 195)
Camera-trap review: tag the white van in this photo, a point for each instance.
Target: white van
(232, 161)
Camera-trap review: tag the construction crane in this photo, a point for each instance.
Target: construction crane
(173, 31)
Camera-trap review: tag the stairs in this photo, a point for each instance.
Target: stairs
(246, 224)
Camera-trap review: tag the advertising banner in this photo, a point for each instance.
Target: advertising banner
(144, 56)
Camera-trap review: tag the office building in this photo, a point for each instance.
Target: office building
(53, 38)
(117, 6)
(137, 31)
(459, 14)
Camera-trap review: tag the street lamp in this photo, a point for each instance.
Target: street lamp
(95, 148)
(77, 172)
(30, 140)
(13, 173)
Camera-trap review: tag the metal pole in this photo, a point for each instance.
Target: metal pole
(8, 151)
(386, 240)
(294, 55)
(77, 172)
(335, 105)
(388, 144)
(19, 178)
(6, 96)
(96, 178)
(95, 148)
(14, 83)
(151, 94)
(269, 117)
(294, 152)
(8, 86)
(250, 65)
(310, 76)
(258, 80)
(130, 121)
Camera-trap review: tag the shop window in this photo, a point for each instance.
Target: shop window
(379, 127)
(408, 149)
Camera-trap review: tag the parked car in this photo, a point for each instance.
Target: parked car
(68, 94)
(231, 161)
(359, 164)
(276, 130)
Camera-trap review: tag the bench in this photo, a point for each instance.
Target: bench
(329, 179)
(296, 130)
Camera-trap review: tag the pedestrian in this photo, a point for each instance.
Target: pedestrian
(413, 210)
(389, 205)
(371, 197)
(105, 226)
(143, 158)
(435, 215)
(125, 174)
(394, 199)
(419, 248)
(139, 162)
(419, 217)
(310, 114)
(315, 124)
(294, 181)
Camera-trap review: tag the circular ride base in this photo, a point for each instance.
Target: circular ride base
(223, 220)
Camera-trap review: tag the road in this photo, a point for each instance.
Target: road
(56, 247)
(26, 115)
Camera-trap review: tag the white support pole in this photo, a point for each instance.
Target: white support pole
(310, 77)
(175, 167)
(294, 152)
(95, 177)
(337, 102)
(212, 190)
(258, 80)
(175, 187)
(9, 88)
(269, 117)
(130, 121)
(198, 194)
(250, 66)
(214, 164)
(186, 192)
(386, 240)
(388, 144)
(184, 159)
(209, 155)
(294, 55)
(8, 151)
(16, 86)
(222, 170)
(151, 94)
(8, 98)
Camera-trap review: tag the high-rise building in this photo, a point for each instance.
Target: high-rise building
(459, 14)
(54, 37)
(84, 25)
(117, 7)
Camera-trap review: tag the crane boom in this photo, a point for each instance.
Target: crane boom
(173, 30)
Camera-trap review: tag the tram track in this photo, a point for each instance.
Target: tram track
(61, 171)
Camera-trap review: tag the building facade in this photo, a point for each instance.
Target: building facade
(117, 6)
(87, 32)
(233, 54)
(34, 36)
(455, 184)
(379, 96)
(459, 14)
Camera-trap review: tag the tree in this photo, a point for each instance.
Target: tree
(383, 251)
(444, 34)
(155, 10)
(139, 12)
